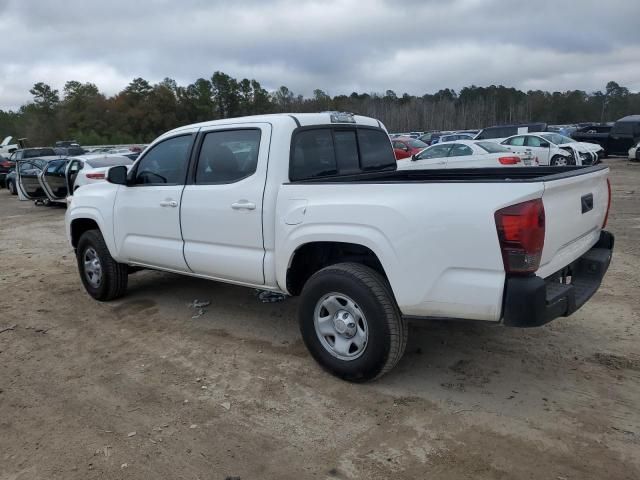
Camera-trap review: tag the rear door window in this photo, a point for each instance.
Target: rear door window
(228, 156)
(460, 150)
(516, 141)
(437, 151)
(535, 142)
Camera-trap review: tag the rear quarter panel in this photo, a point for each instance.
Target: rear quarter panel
(437, 242)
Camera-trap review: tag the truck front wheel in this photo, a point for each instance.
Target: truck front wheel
(350, 322)
(103, 278)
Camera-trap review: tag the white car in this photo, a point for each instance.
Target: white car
(312, 204)
(86, 169)
(554, 149)
(634, 152)
(465, 154)
(6, 147)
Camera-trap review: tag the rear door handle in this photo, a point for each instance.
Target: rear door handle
(243, 205)
(169, 203)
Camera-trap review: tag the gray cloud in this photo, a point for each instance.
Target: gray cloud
(413, 46)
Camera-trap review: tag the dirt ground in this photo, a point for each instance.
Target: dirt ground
(137, 388)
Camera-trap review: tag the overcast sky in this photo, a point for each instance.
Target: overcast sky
(414, 46)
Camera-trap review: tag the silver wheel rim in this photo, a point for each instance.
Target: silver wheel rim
(92, 267)
(341, 326)
(561, 162)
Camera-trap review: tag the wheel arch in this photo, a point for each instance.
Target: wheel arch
(312, 256)
(83, 219)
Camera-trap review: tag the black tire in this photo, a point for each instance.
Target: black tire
(387, 330)
(12, 188)
(114, 275)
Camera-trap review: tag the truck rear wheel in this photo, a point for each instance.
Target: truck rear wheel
(350, 322)
(103, 278)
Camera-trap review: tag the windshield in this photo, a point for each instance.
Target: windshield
(557, 138)
(416, 144)
(491, 147)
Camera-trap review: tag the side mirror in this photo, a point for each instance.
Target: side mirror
(544, 144)
(414, 157)
(117, 175)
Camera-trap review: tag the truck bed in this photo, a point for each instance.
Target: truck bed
(462, 175)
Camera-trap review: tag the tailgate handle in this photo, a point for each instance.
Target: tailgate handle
(587, 203)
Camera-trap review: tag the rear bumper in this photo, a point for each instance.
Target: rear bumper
(533, 301)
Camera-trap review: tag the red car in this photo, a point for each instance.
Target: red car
(405, 147)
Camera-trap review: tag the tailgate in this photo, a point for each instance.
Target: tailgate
(575, 209)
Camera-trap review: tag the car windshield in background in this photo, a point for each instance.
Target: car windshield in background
(416, 144)
(39, 152)
(108, 162)
(491, 147)
(557, 138)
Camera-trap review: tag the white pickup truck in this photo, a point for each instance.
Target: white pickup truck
(313, 205)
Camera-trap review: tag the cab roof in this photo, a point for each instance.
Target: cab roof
(292, 119)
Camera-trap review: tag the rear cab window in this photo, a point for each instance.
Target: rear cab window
(326, 151)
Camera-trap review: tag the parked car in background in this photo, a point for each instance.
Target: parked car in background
(88, 169)
(6, 166)
(23, 180)
(634, 152)
(70, 151)
(464, 154)
(25, 153)
(451, 137)
(126, 152)
(427, 137)
(7, 148)
(404, 147)
(500, 132)
(435, 137)
(565, 130)
(617, 140)
(10, 182)
(554, 149)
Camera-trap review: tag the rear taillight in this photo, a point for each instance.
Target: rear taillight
(521, 234)
(95, 176)
(509, 160)
(606, 216)
(6, 164)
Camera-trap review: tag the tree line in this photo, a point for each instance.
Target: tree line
(142, 111)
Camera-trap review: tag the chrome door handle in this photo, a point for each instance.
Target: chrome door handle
(244, 205)
(169, 203)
